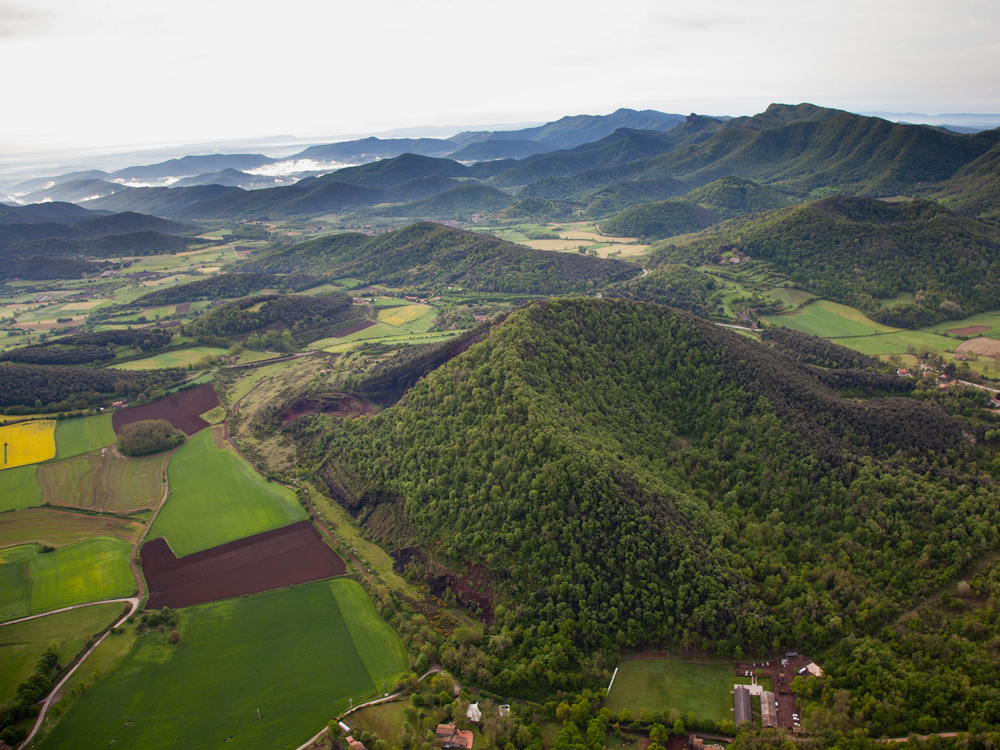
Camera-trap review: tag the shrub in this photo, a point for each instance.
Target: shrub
(174, 638)
(148, 436)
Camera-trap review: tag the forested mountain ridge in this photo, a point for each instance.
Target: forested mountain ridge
(623, 474)
(426, 254)
(861, 250)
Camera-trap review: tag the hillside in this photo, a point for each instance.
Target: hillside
(46, 267)
(618, 196)
(427, 254)
(392, 173)
(659, 220)
(307, 196)
(189, 166)
(733, 196)
(497, 149)
(110, 246)
(55, 211)
(678, 286)
(159, 201)
(370, 149)
(462, 201)
(860, 250)
(613, 474)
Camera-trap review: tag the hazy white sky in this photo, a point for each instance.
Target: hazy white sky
(114, 72)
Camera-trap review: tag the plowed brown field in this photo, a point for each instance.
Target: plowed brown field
(272, 560)
(180, 409)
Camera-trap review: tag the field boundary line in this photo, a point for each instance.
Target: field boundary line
(66, 609)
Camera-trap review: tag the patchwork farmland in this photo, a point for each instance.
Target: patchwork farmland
(103, 480)
(181, 409)
(58, 528)
(77, 436)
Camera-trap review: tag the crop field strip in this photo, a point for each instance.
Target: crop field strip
(75, 437)
(26, 443)
(283, 557)
(22, 643)
(662, 684)
(216, 497)
(294, 659)
(180, 358)
(87, 571)
(181, 409)
(377, 643)
(103, 480)
(397, 316)
(18, 488)
(58, 528)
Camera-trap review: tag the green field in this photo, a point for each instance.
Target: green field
(381, 650)
(829, 320)
(663, 684)
(897, 343)
(58, 528)
(288, 653)
(77, 436)
(87, 571)
(22, 643)
(18, 488)
(180, 358)
(385, 719)
(991, 319)
(103, 480)
(216, 497)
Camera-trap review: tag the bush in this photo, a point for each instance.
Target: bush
(148, 436)
(174, 638)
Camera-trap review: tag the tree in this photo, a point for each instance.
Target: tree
(174, 638)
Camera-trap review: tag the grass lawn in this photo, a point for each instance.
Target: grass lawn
(829, 320)
(58, 528)
(22, 643)
(18, 488)
(87, 571)
(179, 358)
(77, 436)
(662, 684)
(27, 443)
(385, 719)
(216, 497)
(288, 653)
(103, 480)
(380, 648)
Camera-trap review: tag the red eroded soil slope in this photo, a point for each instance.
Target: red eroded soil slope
(272, 560)
(180, 409)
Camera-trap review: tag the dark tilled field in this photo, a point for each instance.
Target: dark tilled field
(353, 329)
(263, 562)
(180, 409)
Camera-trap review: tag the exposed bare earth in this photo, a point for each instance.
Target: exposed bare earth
(181, 409)
(984, 345)
(969, 330)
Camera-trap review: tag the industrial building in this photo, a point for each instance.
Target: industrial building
(768, 710)
(741, 697)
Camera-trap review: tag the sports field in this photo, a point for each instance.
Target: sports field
(27, 443)
(288, 653)
(103, 480)
(216, 497)
(87, 571)
(58, 528)
(18, 488)
(181, 358)
(77, 436)
(663, 684)
(829, 320)
(22, 643)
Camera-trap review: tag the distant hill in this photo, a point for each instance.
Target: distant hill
(975, 188)
(40, 183)
(76, 191)
(861, 250)
(115, 245)
(497, 149)
(536, 209)
(308, 196)
(42, 267)
(461, 201)
(676, 285)
(231, 178)
(734, 196)
(421, 187)
(371, 149)
(427, 254)
(658, 220)
(159, 201)
(393, 173)
(55, 211)
(91, 227)
(192, 165)
(618, 196)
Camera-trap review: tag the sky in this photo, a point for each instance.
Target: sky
(104, 73)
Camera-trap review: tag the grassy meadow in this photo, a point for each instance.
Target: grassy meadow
(58, 528)
(18, 488)
(103, 480)
(22, 643)
(829, 320)
(217, 497)
(664, 684)
(32, 582)
(380, 648)
(294, 659)
(180, 358)
(27, 443)
(77, 436)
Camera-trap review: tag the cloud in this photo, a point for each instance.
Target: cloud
(699, 21)
(18, 20)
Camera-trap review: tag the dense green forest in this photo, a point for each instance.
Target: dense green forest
(620, 474)
(85, 348)
(733, 196)
(111, 246)
(43, 267)
(148, 436)
(659, 220)
(461, 201)
(25, 389)
(426, 254)
(859, 250)
(676, 285)
(227, 285)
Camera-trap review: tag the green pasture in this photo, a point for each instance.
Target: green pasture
(897, 342)
(83, 435)
(380, 648)
(791, 297)
(330, 345)
(22, 643)
(18, 488)
(288, 653)
(103, 480)
(829, 320)
(385, 719)
(664, 684)
(991, 319)
(180, 358)
(217, 497)
(32, 582)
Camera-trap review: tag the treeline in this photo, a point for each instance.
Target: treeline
(424, 255)
(227, 285)
(296, 314)
(25, 388)
(672, 284)
(43, 267)
(620, 474)
(88, 348)
(659, 220)
(816, 351)
(859, 251)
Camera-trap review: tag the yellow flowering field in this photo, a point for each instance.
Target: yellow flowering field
(27, 443)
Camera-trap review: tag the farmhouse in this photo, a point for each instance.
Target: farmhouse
(741, 697)
(353, 743)
(451, 737)
(768, 710)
